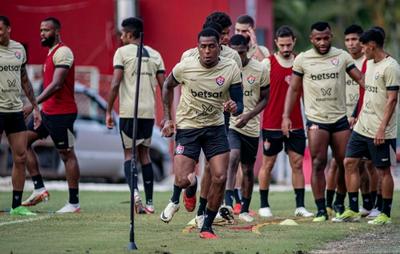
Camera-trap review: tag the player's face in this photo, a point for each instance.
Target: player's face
(352, 43)
(321, 40)
(208, 50)
(368, 49)
(225, 36)
(4, 33)
(242, 51)
(125, 36)
(48, 33)
(242, 29)
(285, 45)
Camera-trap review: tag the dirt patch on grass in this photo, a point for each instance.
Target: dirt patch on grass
(381, 239)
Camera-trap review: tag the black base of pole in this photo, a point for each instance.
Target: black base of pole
(132, 246)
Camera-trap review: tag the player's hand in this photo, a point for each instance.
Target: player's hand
(243, 120)
(379, 136)
(167, 128)
(252, 36)
(286, 126)
(27, 110)
(37, 118)
(230, 106)
(109, 120)
(352, 121)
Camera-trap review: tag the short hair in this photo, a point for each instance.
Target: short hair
(211, 24)
(380, 29)
(221, 18)
(133, 25)
(284, 31)
(56, 22)
(5, 20)
(238, 40)
(374, 35)
(208, 32)
(353, 29)
(320, 26)
(245, 19)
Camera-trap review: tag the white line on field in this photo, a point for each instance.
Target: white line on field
(25, 220)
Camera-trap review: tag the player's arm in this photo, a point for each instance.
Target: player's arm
(115, 83)
(168, 126)
(356, 75)
(262, 102)
(390, 107)
(28, 90)
(160, 76)
(258, 54)
(60, 73)
(235, 104)
(292, 94)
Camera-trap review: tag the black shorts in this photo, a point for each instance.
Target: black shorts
(247, 145)
(340, 125)
(212, 140)
(59, 127)
(144, 132)
(274, 141)
(382, 156)
(12, 122)
(227, 117)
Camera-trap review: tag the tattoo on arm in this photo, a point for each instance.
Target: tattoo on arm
(27, 86)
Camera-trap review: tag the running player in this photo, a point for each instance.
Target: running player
(245, 26)
(206, 83)
(320, 73)
(244, 130)
(59, 112)
(281, 70)
(375, 132)
(124, 80)
(13, 79)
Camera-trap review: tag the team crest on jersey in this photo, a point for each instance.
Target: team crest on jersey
(179, 149)
(18, 54)
(335, 61)
(288, 78)
(220, 80)
(251, 79)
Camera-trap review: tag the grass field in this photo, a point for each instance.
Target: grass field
(103, 227)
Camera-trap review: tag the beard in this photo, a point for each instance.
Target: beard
(48, 42)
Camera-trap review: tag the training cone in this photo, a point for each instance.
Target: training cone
(288, 222)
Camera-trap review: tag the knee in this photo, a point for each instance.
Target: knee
(319, 164)
(219, 178)
(298, 166)
(350, 165)
(267, 167)
(248, 172)
(65, 154)
(182, 181)
(19, 158)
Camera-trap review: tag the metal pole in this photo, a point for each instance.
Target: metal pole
(132, 244)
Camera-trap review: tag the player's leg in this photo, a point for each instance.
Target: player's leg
(234, 159)
(331, 176)
(374, 187)
(237, 190)
(365, 189)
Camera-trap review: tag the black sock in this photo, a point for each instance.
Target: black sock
(245, 205)
(321, 206)
(378, 204)
(191, 190)
(16, 200)
(330, 194)
(202, 206)
(353, 201)
(127, 169)
(299, 193)
(73, 196)
(339, 199)
(264, 198)
(208, 220)
(37, 181)
(229, 197)
(176, 194)
(373, 198)
(387, 206)
(237, 196)
(148, 180)
(367, 204)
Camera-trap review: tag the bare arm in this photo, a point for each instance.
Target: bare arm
(160, 79)
(292, 94)
(168, 126)
(60, 73)
(115, 82)
(390, 107)
(28, 90)
(357, 76)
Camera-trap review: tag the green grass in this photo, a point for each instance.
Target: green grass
(103, 227)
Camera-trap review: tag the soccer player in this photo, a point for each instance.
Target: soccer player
(207, 82)
(244, 130)
(13, 79)
(375, 132)
(280, 72)
(320, 74)
(245, 26)
(123, 82)
(59, 112)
